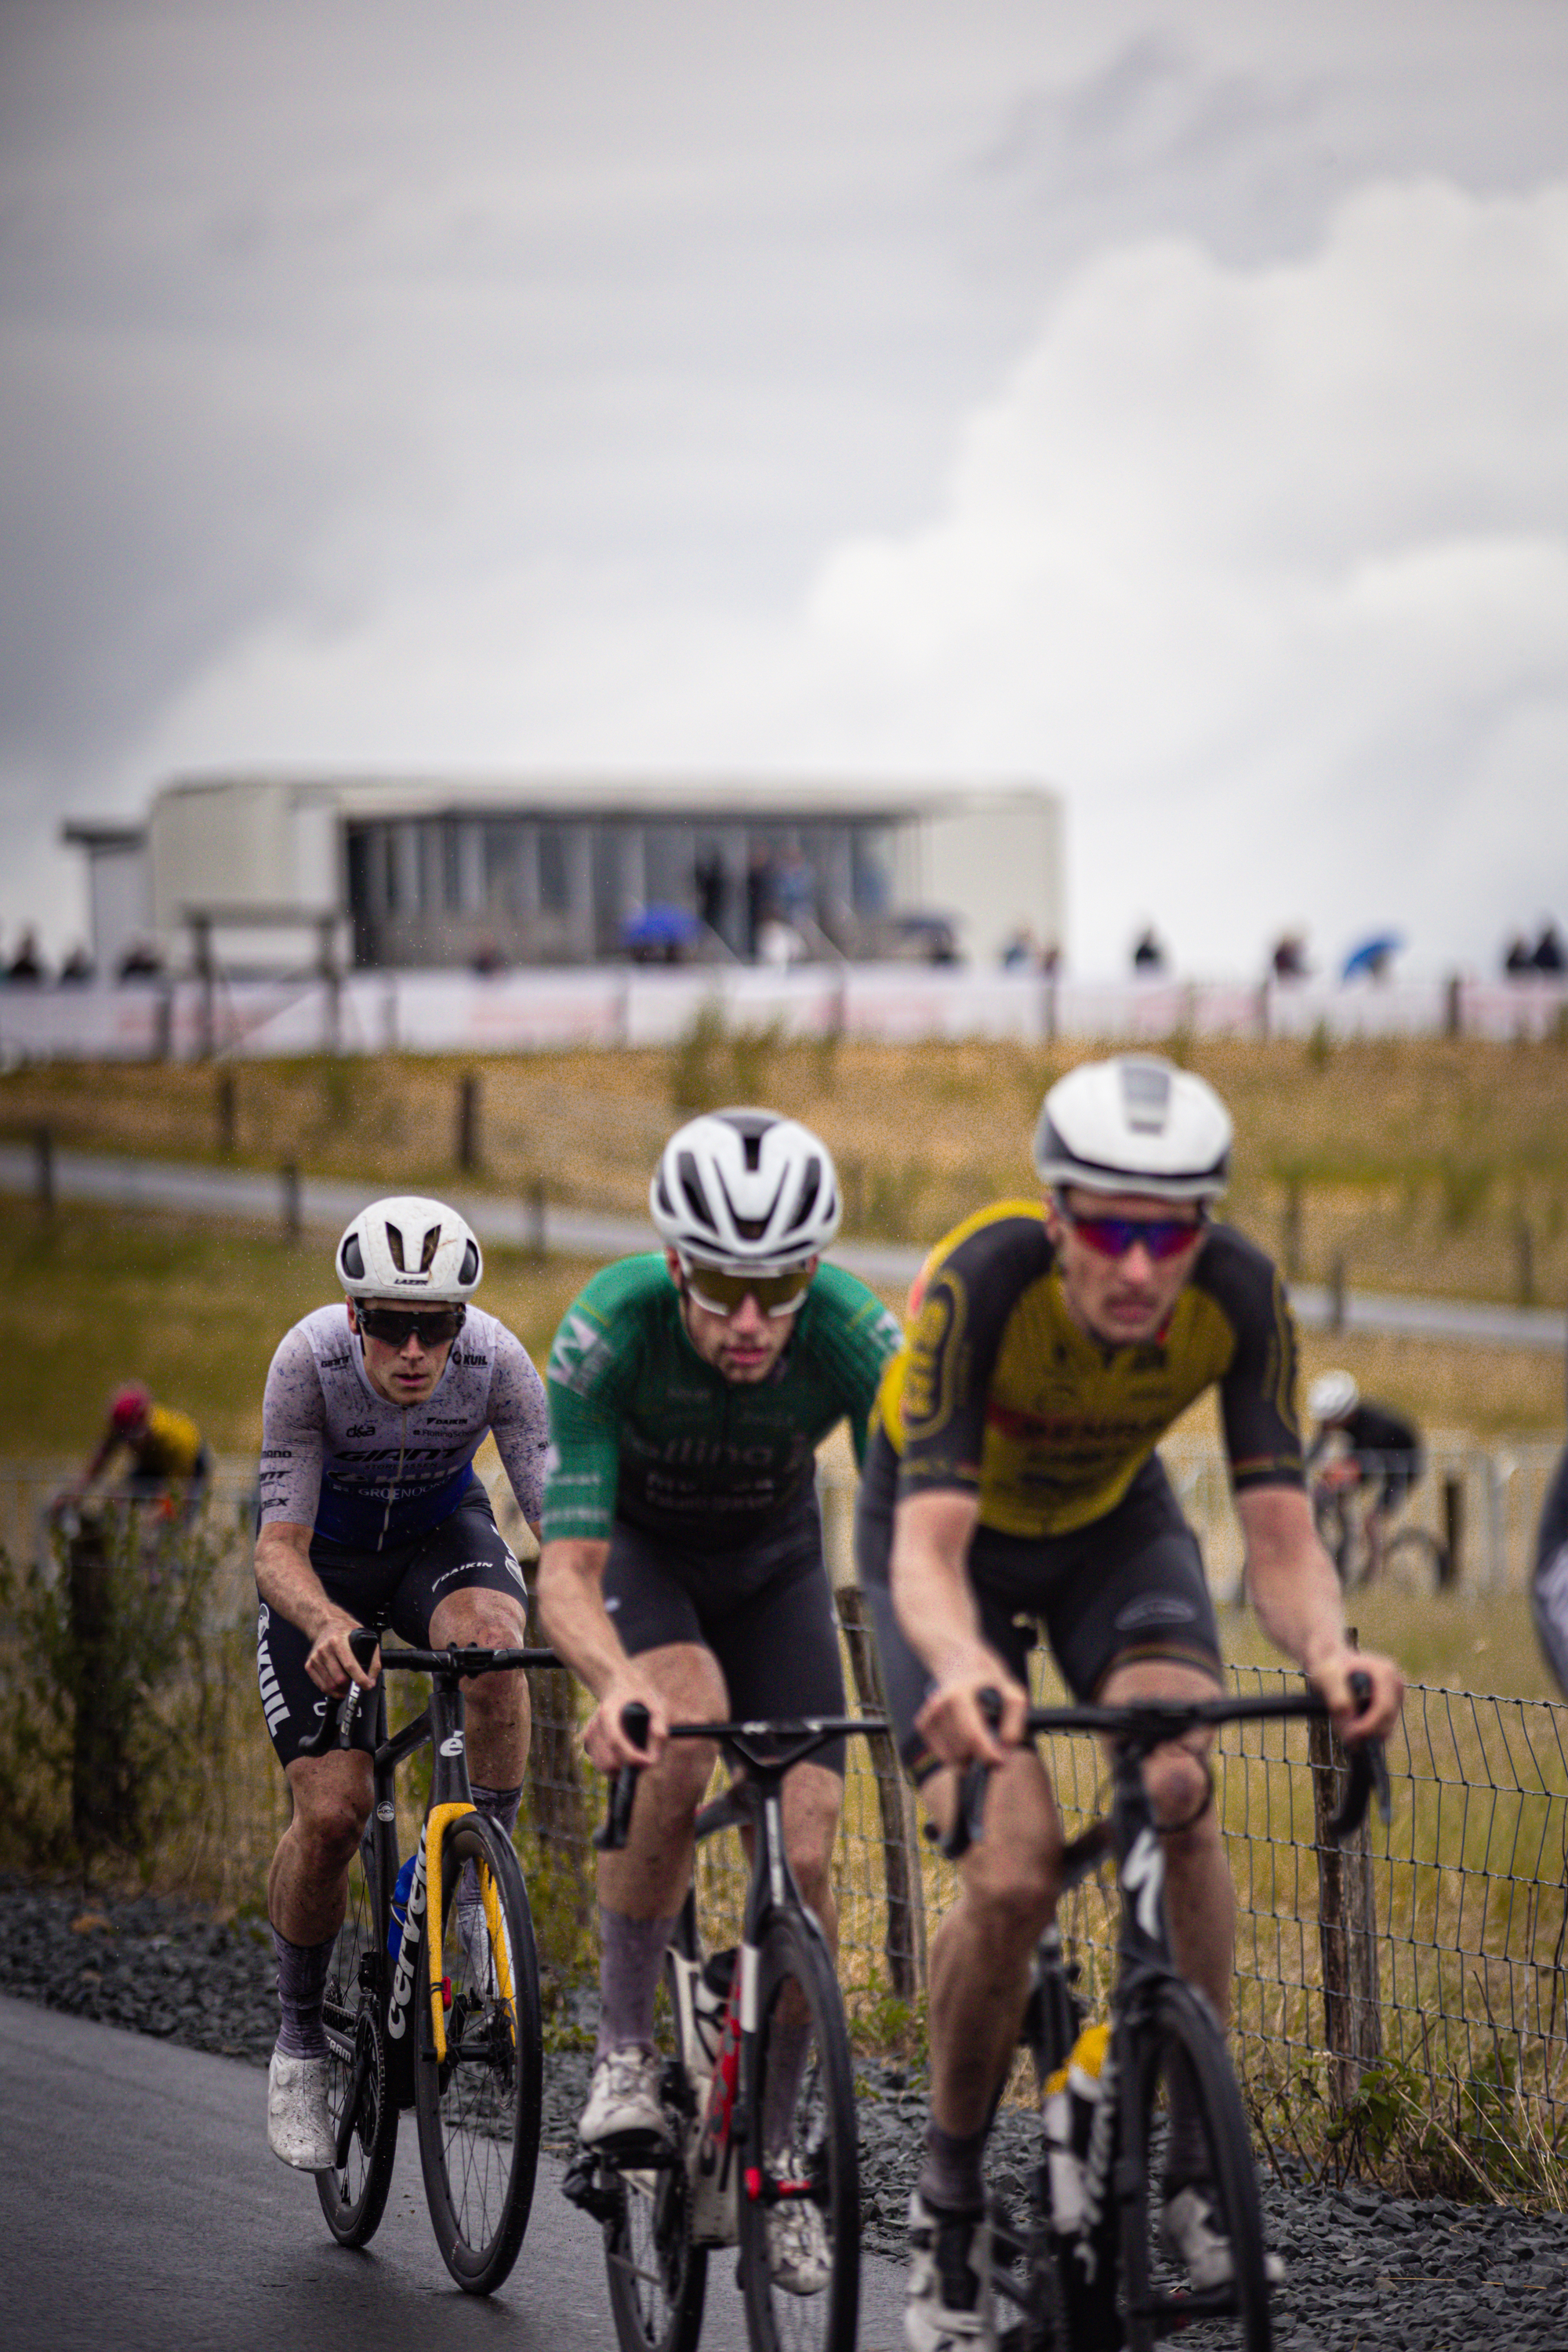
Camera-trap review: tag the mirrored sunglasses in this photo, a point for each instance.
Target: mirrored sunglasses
(1162, 1237)
(722, 1293)
(393, 1325)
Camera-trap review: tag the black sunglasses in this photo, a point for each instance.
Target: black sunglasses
(393, 1325)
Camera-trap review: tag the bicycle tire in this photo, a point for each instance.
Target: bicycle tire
(804, 2135)
(478, 2105)
(657, 2278)
(353, 2197)
(1179, 2035)
(1413, 1562)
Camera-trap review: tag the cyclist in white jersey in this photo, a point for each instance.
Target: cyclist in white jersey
(372, 1515)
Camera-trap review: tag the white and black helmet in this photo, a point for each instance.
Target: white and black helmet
(1134, 1124)
(1333, 1395)
(747, 1191)
(409, 1248)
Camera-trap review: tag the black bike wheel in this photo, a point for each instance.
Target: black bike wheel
(657, 2278)
(802, 2176)
(1179, 2043)
(1413, 1562)
(353, 2197)
(478, 2104)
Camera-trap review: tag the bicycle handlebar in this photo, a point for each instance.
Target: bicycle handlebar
(807, 1732)
(336, 1727)
(1147, 1724)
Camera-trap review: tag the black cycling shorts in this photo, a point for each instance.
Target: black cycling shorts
(403, 1589)
(774, 1633)
(1129, 1586)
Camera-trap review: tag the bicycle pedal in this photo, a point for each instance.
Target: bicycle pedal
(581, 2187)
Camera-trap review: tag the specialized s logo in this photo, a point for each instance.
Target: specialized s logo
(935, 1342)
(1143, 1877)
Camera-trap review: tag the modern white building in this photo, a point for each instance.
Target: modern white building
(269, 871)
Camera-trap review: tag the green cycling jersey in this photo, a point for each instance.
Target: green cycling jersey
(643, 1429)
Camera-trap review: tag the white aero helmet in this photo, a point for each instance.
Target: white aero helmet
(746, 1192)
(1134, 1124)
(409, 1248)
(1333, 1395)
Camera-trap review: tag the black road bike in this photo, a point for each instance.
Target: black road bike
(439, 2011)
(1102, 2281)
(757, 2089)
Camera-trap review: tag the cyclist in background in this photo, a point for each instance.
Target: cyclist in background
(1366, 1450)
(1548, 1585)
(163, 1455)
(682, 1564)
(372, 1515)
(1012, 1481)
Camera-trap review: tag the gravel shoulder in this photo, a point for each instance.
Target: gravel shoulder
(1366, 2272)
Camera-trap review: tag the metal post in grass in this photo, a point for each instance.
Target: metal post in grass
(1291, 1251)
(904, 1942)
(1524, 1259)
(1337, 1292)
(535, 1211)
(1453, 1530)
(1347, 1926)
(227, 1108)
(468, 1120)
(293, 1218)
(44, 1168)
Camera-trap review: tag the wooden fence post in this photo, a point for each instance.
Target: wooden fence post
(293, 1219)
(1347, 1926)
(468, 1120)
(905, 1940)
(103, 1789)
(44, 1168)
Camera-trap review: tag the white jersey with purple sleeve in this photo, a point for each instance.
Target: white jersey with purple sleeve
(339, 1457)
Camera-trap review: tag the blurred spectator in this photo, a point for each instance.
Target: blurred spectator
(1051, 960)
(1290, 957)
(779, 943)
(1022, 951)
(27, 964)
(140, 962)
(1519, 957)
(712, 889)
(489, 959)
(77, 967)
(794, 887)
(1148, 955)
(1548, 956)
(759, 899)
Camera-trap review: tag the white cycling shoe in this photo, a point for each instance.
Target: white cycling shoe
(623, 2098)
(950, 2306)
(798, 2257)
(1189, 2235)
(298, 2125)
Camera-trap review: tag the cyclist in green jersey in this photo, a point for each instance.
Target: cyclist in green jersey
(1012, 1481)
(682, 1561)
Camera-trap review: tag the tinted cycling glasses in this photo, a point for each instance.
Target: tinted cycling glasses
(720, 1293)
(1114, 1236)
(394, 1325)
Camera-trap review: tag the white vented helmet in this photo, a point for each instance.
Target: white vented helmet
(1134, 1124)
(1333, 1395)
(746, 1191)
(409, 1248)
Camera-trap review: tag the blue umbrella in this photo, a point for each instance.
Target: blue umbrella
(1372, 955)
(661, 925)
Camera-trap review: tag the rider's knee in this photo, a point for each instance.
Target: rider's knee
(329, 1820)
(1181, 1790)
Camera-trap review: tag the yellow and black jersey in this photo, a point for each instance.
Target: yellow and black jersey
(168, 1447)
(997, 1389)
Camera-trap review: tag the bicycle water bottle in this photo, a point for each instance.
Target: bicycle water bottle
(400, 1907)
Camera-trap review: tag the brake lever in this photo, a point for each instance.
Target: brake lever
(969, 1819)
(336, 1727)
(613, 1831)
(1368, 1771)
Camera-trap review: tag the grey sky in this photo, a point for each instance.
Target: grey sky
(1171, 401)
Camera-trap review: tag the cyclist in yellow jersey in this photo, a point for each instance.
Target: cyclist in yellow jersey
(1012, 1482)
(163, 1452)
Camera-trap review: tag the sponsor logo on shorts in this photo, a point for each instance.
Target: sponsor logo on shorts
(274, 1706)
(1156, 1608)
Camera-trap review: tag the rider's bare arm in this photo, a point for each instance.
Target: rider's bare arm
(930, 1583)
(577, 1623)
(287, 1582)
(1295, 1593)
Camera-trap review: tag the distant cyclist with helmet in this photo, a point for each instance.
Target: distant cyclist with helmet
(372, 1515)
(1366, 1450)
(1012, 1482)
(682, 1563)
(162, 1454)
